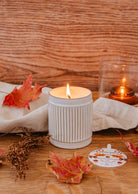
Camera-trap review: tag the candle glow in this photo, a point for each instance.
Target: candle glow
(123, 93)
(123, 80)
(122, 88)
(68, 93)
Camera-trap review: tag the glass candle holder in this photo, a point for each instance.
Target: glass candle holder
(119, 80)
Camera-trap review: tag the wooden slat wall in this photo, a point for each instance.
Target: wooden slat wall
(63, 41)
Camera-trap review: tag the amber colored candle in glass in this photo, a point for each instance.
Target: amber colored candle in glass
(123, 93)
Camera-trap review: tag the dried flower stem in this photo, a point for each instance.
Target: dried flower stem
(18, 153)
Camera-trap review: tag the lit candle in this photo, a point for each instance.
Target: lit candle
(123, 93)
(68, 94)
(70, 117)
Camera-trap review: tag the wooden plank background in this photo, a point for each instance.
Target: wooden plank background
(62, 41)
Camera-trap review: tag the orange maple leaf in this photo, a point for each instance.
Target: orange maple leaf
(68, 171)
(129, 145)
(26, 93)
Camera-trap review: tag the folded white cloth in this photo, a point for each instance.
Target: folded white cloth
(35, 118)
(107, 113)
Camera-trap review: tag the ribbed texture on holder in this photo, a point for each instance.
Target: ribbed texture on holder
(70, 124)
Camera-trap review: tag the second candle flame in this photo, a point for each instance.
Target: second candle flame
(68, 94)
(122, 88)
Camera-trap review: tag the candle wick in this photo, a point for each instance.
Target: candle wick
(68, 96)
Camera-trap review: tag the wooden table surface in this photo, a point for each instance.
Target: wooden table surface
(119, 180)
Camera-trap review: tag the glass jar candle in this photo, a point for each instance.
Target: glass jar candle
(119, 80)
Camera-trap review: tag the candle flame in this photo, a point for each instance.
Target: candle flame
(122, 88)
(68, 94)
(122, 91)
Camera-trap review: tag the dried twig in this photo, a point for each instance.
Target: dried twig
(18, 153)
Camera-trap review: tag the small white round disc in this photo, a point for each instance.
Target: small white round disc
(107, 157)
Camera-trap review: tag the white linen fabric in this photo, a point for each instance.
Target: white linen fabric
(107, 113)
(36, 118)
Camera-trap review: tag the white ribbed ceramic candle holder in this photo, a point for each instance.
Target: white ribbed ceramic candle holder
(70, 120)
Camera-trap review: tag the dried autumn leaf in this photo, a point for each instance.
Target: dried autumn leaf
(68, 171)
(130, 146)
(26, 93)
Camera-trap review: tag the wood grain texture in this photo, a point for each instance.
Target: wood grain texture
(63, 41)
(119, 180)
